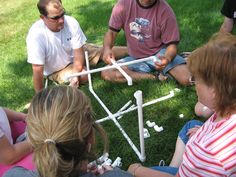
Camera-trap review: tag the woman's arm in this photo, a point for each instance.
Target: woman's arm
(10, 154)
(140, 171)
(14, 116)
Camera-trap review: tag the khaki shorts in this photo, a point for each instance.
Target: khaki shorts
(94, 53)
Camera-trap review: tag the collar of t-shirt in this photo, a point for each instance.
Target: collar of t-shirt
(146, 7)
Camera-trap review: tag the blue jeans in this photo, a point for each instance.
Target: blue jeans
(184, 137)
(149, 66)
(190, 124)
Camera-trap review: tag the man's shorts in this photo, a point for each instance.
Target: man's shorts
(149, 66)
(94, 53)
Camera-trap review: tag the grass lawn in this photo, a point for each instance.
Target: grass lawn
(197, 20)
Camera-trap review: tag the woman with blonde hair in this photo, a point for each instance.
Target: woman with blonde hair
(62, 130)
(209, 150)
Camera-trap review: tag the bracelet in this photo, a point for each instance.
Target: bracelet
(138, 165)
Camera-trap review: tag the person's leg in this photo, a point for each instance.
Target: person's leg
(182, 141)
(136, 71)
(203, 111)
(120, 51)
(95, 52)
(60, 76)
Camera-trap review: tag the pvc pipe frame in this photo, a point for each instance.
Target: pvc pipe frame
(123, 110)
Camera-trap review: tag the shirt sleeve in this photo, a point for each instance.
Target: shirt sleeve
(78, 37)
(35, 47)
(226, 9)
(169, 27)
(116, 22)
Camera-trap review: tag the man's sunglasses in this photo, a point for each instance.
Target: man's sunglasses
(57, 17)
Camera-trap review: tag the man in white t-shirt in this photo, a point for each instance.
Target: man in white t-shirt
(56, 44)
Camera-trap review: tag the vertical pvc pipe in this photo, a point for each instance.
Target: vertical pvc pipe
(139, 101)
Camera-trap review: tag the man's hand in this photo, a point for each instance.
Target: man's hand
(161, 65)
(108, 55)
(74, 82)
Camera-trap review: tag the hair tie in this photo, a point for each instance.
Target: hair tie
(49, 141)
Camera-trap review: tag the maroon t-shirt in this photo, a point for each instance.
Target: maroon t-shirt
(147, 29)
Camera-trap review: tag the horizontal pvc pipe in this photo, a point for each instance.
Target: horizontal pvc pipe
(110, 67)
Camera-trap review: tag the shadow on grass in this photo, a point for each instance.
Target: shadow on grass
(93, 18)
(16, 89)
(197, 20)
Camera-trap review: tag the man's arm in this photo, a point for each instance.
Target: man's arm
(227, 25)
(37, 77)
(108, 43)
(171, 52)
(78, 65)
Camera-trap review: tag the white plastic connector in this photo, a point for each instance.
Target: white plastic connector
(117, 162)
(150, 124)
(158, 129)
(146, 134)
(181, 116)
(103, 158)
(156, 59)
(177, 89)
(107, 162)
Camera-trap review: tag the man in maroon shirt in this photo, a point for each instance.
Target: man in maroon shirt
(150, 29)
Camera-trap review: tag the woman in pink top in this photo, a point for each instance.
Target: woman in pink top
(211, 149)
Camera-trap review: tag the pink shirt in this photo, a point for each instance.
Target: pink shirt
(212, 150)
(147, 29)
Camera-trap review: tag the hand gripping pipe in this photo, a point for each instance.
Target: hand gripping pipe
(154, 58)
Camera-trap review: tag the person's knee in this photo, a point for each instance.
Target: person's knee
(202, 110)
(184, 80)
(105, 76)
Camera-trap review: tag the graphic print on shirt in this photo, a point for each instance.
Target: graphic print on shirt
(140, 29)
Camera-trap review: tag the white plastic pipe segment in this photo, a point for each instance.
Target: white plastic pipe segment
(127, 77)
(111, 67)
(139, 101)
(117, 162)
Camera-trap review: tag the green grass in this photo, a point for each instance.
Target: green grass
(197, 20)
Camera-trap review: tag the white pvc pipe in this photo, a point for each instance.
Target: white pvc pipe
(139, 102)
(111, 67)
(127, 77)
(110, 115)
(117, 114)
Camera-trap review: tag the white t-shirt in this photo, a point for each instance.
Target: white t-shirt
(5, 128)
(54, 50)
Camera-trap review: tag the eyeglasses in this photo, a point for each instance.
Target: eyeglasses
(57, 17)
(192, 80)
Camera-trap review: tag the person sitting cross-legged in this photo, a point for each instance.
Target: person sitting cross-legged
(150, 29)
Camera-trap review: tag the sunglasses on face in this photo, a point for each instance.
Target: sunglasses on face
(57, 17)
